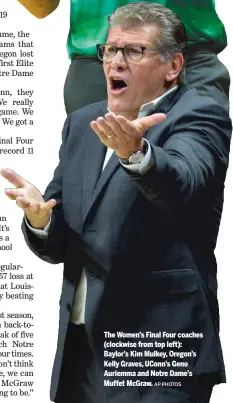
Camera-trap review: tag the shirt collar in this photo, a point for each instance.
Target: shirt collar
(149, 107)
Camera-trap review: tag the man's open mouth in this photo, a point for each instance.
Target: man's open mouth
(117, 85)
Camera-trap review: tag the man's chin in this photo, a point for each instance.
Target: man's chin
(118, 107)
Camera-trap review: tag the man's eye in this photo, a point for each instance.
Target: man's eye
(134, 51)
(110, 50)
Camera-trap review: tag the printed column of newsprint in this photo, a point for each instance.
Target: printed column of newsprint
(33, 64)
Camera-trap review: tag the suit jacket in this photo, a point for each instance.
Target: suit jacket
(147, 242)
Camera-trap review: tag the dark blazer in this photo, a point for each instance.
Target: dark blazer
(147, 242)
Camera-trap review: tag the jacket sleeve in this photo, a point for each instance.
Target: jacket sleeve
(51, 249)
(193, 158)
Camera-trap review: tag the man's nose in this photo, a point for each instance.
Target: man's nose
(119, 60)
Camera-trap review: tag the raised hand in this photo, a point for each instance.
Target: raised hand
(122, 135)
(28, 198)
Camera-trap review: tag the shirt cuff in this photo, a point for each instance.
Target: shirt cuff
(143, 166)
(40, 233)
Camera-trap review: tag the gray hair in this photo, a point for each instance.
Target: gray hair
(172, 38)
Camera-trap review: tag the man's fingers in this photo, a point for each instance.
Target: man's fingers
(13, 193)
(151, 120)
(104, 127)
(102, 136)
(9, 195)
(125, 125)
(34, 206)
(95, 127)
(23, 202)
(28, 204)
(48, 205)
(114, 124)
(13, 177)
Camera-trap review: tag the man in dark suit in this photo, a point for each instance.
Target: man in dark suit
(136, 228)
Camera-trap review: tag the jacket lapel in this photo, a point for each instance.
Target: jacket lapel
(94, 177)
(168, 101)
(111, 166)
(93, 163)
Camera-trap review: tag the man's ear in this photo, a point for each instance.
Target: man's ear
(175, 66)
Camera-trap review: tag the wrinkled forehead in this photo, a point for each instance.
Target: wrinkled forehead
(146, 34)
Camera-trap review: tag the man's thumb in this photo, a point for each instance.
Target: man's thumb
(151, 120)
